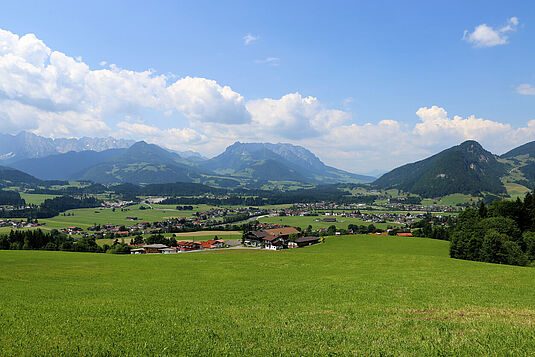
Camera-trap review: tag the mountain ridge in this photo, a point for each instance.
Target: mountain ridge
(465, 168)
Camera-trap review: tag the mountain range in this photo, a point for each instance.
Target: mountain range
(241, 164)
(466, 168)
(27, 145)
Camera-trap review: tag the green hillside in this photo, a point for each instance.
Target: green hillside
(350, 296)
(142, 163)
(278, 162)
(466, 168)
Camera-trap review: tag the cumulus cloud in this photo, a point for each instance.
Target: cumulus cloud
(294, 116)
(248, 39)
(525, 89)
(173, 138)
(205, 100)
(55, 94)
(487, 36)
(436, 126)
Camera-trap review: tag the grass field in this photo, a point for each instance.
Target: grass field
(86, 217)
(303, 222)
(35, 199)
(515, 190)
(351, 295)
(451, 200)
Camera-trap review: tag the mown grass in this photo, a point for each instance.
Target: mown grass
(352, 295)
(35, 199)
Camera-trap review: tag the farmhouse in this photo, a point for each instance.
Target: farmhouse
(272, 239)
(304, 241)
(255, 238)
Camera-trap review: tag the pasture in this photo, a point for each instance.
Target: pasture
(86, 217)
(35, 199)
(351, 295)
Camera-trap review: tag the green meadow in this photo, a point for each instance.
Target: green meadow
(36, 199)
(351, 295)
(86, 217)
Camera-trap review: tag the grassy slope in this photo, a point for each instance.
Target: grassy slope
(357, 295)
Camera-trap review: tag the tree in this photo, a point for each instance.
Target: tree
(492, 248)
(529, 242)
(331, 231)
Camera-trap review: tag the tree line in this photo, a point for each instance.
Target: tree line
(52, 207)
(502, 232)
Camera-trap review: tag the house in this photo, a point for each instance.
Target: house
(254, 238)
(274, 243)
(186, 246)
(137, 251)
(154, 248)
(217, 243)
(304, 241)
(329, 219)
(272, 239)
(404, 234)
(168, 251)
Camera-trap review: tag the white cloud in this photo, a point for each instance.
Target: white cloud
(525, 89)
(53, 89)
(272, 61)
(205, 100)
(173, 138)
(248, 39)
(487, 36)
(294, 116)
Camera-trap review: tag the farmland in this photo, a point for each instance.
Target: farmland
(351, 295)
(86, 217)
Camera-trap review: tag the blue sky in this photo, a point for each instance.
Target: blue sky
(344, 79)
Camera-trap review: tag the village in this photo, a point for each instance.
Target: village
(275, 238)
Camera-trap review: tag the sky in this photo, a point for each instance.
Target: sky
(365, 85)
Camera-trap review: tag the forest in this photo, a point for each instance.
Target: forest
(502, 232)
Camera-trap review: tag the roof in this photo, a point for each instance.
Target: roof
(306, 239)
(259, 234)
(282, 231)
(155, 246)
(405, 234)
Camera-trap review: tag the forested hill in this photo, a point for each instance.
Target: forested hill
(466, 168)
